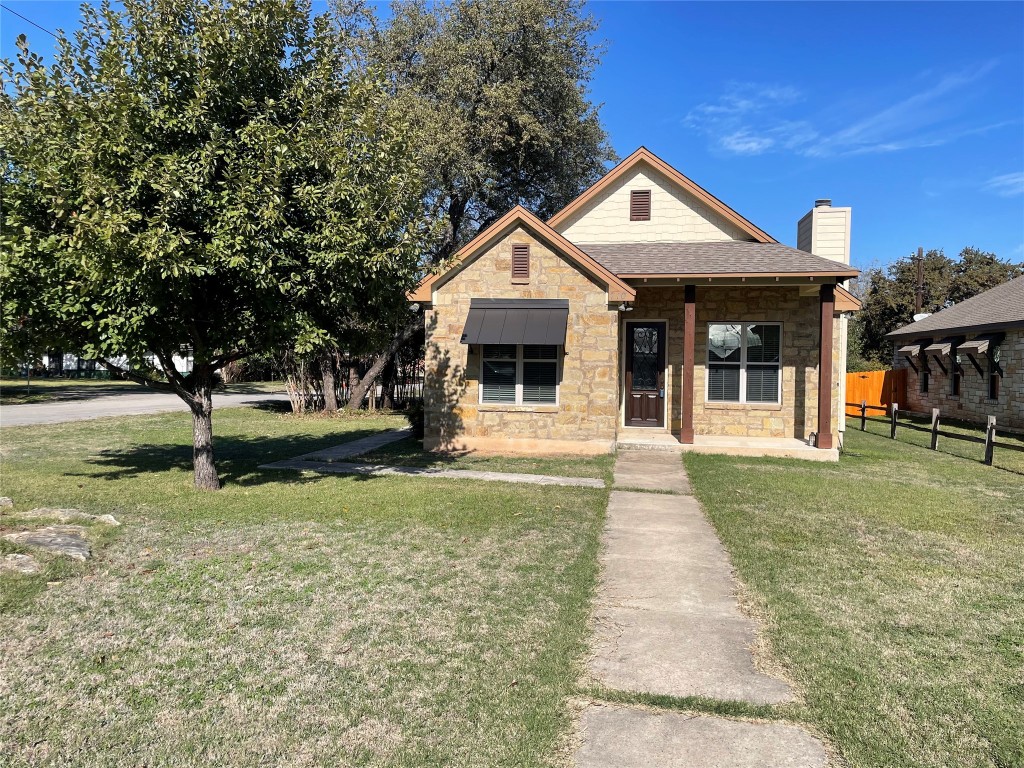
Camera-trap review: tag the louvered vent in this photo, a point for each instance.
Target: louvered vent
(640, 205)
(520, 262)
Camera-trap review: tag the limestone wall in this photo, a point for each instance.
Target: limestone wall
(973, 403)
(586, 416)
(797, 414)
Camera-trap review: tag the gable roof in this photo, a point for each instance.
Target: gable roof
(643, 155)
(995, 309)
(718, 258)
(520, 217)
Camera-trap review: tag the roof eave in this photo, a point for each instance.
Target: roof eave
(908, 331)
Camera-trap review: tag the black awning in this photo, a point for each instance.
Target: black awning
(516, 321)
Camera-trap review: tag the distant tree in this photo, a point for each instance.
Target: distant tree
(497, 90)
(889, 295)
(201, 176)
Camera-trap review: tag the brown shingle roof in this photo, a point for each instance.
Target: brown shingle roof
(996, 308)
(728, 257)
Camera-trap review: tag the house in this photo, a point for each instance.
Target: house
(968, 359)
(645, 311)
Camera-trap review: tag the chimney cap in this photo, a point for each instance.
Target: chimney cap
(823, 202)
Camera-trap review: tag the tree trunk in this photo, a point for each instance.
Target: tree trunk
(387, 390)
(201, 405)
(355, 402)
(327, 374)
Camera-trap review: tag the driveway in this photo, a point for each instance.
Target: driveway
(116, 405)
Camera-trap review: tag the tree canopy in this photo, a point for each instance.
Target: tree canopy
(211, 177)
(889, 296)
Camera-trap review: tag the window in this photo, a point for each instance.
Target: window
(520, 261)
(744, 363)
(640, 205)
(922, 381)
(993, 386)
(519, 374)
(955, 374)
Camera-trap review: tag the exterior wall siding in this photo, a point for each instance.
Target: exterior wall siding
(585, 419)
(675, 215)
(973, 403)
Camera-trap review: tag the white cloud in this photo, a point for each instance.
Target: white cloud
(752, 118)
(1007, 185)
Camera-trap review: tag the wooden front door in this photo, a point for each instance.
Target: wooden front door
(645, 374)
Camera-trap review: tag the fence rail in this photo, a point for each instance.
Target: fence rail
(990, 440)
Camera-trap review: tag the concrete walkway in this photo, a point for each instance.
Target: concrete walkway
(667, 622)
(117, 405)
(330, 461)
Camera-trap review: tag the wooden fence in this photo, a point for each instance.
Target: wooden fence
(990, 440)
(879, 389)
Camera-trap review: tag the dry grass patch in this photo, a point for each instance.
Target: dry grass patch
(292, 621)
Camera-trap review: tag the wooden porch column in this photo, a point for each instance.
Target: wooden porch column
(828, 303)
(689, 332)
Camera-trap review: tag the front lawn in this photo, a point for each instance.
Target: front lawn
(287, 619)
(893, 588)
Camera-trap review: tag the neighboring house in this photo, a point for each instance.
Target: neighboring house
(646, 307)
(968, 359)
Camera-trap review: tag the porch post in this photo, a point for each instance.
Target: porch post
(689, 331)
(828, 303)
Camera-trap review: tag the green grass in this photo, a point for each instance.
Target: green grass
(409, 453)
(1001, 457)
(893, 590)
(288, 619)
(48, 390)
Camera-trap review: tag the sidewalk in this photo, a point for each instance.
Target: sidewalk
(667, 622)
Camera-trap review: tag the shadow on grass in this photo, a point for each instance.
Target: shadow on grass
(237, 458)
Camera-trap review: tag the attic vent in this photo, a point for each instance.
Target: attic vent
(640, 205)
(520, 262)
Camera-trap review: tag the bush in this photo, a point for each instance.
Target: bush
(415, 416)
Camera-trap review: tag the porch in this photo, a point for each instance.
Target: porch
(648, 439)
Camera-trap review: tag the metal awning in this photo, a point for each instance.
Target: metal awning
(516, 321)
(980, 345)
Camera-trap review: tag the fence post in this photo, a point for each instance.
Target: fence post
(990, 439)
(892, 420)
(935, 429)
(863, 415)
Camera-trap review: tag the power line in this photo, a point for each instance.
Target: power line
(25, 18)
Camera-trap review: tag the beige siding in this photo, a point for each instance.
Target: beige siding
(584, 419)
(825, 232)
(675, 215)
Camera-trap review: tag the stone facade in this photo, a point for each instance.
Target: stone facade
(585, 418)
(973, 403)
(797, 414)
(676, 216)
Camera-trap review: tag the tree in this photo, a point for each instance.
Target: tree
(210, 177)
(889, 298)
(498, 92)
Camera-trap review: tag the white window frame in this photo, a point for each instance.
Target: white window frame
(742, 364)
(519, 360)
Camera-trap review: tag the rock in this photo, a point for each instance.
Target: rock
(62, 539)
(6, 502)
(20, 564)
(66, 515)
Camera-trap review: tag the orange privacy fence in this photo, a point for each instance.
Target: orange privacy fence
(879, 389)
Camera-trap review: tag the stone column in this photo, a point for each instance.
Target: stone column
(828, 303)
(689, 332)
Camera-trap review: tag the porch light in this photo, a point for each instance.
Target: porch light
(626, 307)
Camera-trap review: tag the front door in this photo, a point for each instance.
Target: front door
(645, 374)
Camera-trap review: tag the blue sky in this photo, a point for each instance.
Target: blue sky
(911, 113)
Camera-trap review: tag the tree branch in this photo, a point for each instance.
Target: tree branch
(126, 375)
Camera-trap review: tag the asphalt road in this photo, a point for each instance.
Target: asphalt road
(115, 405)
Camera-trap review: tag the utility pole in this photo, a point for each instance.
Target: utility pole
(919, 294)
